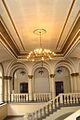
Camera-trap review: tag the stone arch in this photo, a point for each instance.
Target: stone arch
(1, 83)
(65, 79)
(2, 69)
(65, 63)
(15, 65)
(46, 68)
(38, 65)
(11, 69)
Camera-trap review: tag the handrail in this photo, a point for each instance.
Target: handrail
(64, 99)
(74, 116)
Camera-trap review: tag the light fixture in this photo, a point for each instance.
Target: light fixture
(22, 72)
(41, 68)
(40, 54)
(59, 70)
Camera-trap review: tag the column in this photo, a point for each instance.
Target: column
(9, 88)
(30, 87)
(7, 92)
(74, 82)
(78, 83)
(52, 87)
(72, 85)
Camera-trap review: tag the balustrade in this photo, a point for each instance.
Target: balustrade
(59, 101)
(37, 97)
(19, 97)
(42, 97)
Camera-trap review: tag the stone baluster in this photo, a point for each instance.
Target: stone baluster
(30, 87)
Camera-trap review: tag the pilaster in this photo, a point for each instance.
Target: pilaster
(74, 82)
(52, 86)
(30, 86)
(7, 91)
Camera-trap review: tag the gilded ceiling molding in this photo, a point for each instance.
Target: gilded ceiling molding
(6, 28)
(65, 22)
(72, 44)
(7, 47)
(6, 39)
(72, 38)
(4, 3)
(72, 27)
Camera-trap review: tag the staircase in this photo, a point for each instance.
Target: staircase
(62, 101)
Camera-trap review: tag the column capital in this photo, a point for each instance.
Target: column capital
(52, 75)
(30, 76)
(7, 77)
(74, 74)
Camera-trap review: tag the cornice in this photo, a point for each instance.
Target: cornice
(72, 38)
(71, 28)
(9, 15)
(70, 10)
(5, 37)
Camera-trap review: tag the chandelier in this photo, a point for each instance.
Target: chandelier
(40, 54)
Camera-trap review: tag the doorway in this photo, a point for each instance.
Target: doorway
(23, 87)
(59, 87)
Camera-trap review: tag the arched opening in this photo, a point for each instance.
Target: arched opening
(41, 80)
(62, 80)
(20, 81)
(1, 84)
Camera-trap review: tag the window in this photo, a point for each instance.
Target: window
(1, 86)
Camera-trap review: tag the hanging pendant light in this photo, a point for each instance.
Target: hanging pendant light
(40, 53)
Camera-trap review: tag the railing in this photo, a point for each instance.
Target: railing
(42, 97)
(69, 99)
(37, 97)
(74, 116)
(19, 97)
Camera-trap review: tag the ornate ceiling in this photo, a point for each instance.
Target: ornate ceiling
(60, 18)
